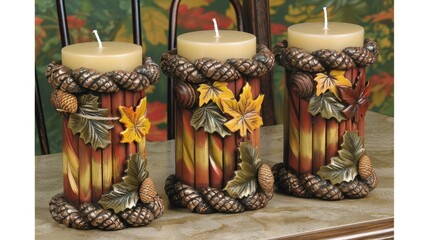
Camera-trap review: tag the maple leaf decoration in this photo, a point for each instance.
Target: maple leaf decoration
(136, 123)
(357, 98)
(330, 82)
(214, 92)
(245, 112)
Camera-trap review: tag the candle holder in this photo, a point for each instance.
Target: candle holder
(106, 184)
(217, 164)
(324, 154)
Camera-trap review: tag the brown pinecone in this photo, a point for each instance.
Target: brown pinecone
(354, 189)
(156, 206)
(186, 71)
(149, 70)
(302, 84)
(334, 59)
(254, 201)
(320, 189)
(266, 178)
(60, 77)
(138, 216)
(64, 101)
(186, 94)
(371, 181)
(289, 182)
(171, 192)
(68, 215)
(91, 79)
(302, 60)
(53, 206)
(215, 70)
(100, 218)
(168, 62)
(365, 167)
(189, 197)
(221, 202)
(147, 191)
(131, 81)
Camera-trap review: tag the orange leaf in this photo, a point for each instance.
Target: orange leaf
(136, 123)
(330, 82)
(245, 112)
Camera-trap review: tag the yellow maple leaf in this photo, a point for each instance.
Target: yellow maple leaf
(155, 26)
(330, 82)
(136, 123)
(245, 112)
(214, 92)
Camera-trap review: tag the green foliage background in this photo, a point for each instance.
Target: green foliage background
(112, 19)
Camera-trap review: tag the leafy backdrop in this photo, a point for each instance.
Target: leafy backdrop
(112, 19)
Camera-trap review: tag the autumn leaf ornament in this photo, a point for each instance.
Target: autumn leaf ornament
(136, 123)
(244, 113)
(330, 82)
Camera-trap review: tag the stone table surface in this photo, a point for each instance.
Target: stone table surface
(284, 217)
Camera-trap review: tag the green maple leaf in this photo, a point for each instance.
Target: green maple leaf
(343, 168)
(327, 105)
(245, 182)
(211, 118)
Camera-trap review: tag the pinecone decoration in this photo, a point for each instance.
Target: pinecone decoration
(189, 197)
(255, 201)
(59, 77)
(321, 189)
(215, 70)
(100, 218)
(266, 178)
(354, 189)
(171, 192)
(288, 182)
(138, 216)
(186, 94)
(334, 59)
(186, 71)
(156, 206)
(95, 81)
(64, 101)
(68, 215)
(53, 206)
(365, 167)
(300, 59)
(302, 84)
(221, 202)
(371, 181)
(147, 191)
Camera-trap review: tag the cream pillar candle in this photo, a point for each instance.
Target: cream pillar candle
(111, 56)
(313, 36)
(229, 44)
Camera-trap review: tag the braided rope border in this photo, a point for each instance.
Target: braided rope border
(311, 186)
(210, 200)
(83, 79)
(90, 215)
(293, 58)
(202, 69)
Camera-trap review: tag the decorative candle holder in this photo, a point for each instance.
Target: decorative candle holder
(324, 153)
(106, 184)
(217, 129)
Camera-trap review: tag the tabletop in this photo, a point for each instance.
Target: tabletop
(284, 217)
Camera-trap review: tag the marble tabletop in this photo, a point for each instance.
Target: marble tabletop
(284, 217)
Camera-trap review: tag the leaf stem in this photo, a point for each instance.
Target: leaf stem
(91, 117)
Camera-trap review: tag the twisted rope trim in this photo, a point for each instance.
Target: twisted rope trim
(293, 58)
(210, 200)
(311, 186)
(90, 215)
(202, 69)
(83, 79)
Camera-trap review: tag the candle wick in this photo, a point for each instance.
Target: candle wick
(326, 18)
(98, 38)
(215, 28)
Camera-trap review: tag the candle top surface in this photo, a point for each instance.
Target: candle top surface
(209, 37)
(109, 48)
(312, 36)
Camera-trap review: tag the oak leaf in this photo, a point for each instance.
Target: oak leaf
(330, 82)
(136, 123)
(214, 92)
(356, 98)
(244, 113)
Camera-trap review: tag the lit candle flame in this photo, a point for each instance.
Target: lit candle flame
(98, 38)
(215, 28)
(326, 18)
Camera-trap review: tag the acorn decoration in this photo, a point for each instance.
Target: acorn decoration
(64, 101)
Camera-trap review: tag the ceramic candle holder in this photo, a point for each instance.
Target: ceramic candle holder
(104, 128)
(327, 97)
(217, 162)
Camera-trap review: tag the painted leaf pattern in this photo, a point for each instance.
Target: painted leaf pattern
(327, 105)
(330, 82)
(244, 113)
(211, 119)
(343, 168)
(155, 24)
(95, 132)
(214, 92)
(136, 123)
(245, 182)
(125, 194)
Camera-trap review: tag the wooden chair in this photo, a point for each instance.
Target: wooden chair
(253, 18)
